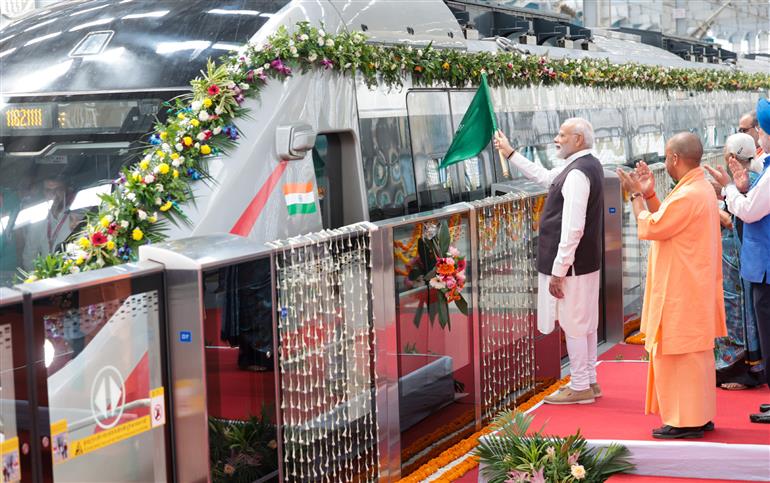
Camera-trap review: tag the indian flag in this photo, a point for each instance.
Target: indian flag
(300, 199)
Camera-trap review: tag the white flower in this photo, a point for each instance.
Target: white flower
(201, 136)
(74, 269)
(149, 179)
(158, 201)
(321, 42)
(244, 86)
(131, 196)
(321, 33)
(303, 37)
(141, 215)
(203, 116)
(312, 57)
(177, 162)
(419, 52)
(196, 105)
(437, 283)
(346, 66)
(218, 110)
(110, 218)
(293, 50)
(123, 224)
(159, 187)
(165, 147)
(578, 472)
(197, 145)
(329, 43)
(179, 147)
(409, 49)
(266, 66)
(217, 130)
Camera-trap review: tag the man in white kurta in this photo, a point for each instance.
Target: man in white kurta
(565, 293)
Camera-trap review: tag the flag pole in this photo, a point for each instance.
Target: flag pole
(504, 164)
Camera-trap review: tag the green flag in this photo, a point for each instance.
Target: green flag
(475, 130)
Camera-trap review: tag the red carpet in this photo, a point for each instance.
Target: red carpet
(473, 476)
(620, 413)
(624, 352)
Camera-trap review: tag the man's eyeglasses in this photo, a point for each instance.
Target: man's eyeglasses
(744, 130)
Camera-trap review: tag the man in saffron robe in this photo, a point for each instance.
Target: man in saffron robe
(683, 308)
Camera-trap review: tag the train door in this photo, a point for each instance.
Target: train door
(339, 180)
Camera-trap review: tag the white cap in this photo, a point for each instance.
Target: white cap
(741, 145)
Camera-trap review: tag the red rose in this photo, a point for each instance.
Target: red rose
(98, 239)
(213, 89)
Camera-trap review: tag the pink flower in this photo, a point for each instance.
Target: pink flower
(573, 458)
(213, 90)
(450, 282)
(461, 264)
(454, 252)
(537, 477)
(327, 63)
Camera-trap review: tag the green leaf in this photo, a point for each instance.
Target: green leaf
(443, 312)
(443, 238)
(418, 314)
(462, 305)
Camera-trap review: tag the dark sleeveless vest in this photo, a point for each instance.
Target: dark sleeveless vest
(588, 256)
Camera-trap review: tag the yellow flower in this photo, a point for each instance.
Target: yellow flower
(144, 165)
(207, 103)
(188, 141)
(176, 174)
(30, 279)
(80, 261)
(163, 168)
(84, 243)
(160, 154)
(195, 123)
(166, 206)
(163, 135)
(152, 219)
(180, 116)
(105, 222)
(205, 149)
(110, 245)
(174, 155)
(137, 177)
(445, 65)
(137, 234)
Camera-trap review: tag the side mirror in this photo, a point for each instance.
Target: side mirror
(293, 141)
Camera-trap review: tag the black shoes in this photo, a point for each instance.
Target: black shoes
(761, 418)
(670, 432)
(763, 408)
(708, 426)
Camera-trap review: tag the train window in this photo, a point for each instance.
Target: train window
(44, 199)
(387, 164)
(477, 173)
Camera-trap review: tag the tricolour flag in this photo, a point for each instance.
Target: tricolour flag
(475, 130)
(300, 199)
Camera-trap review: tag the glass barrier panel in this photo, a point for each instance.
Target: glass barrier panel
(240, 377)
(14, 408)
(105, 379)
(435, 345)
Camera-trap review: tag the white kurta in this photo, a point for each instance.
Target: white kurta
(578, 311)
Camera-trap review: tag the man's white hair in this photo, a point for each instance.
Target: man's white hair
(582, 127)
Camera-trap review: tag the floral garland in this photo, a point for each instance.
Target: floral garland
(151, 192)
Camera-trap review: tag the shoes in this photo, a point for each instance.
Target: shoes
(761, 418)
(763, 408)
(596, 389)
(708, 426)
(670, 432)
(567, 395)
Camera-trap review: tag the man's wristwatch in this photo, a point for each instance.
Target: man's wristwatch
(634, 196)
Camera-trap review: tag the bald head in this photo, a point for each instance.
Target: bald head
(688, 148)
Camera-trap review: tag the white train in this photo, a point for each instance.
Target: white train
(83, 82)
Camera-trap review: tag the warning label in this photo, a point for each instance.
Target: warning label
(60, 441)
(157, 407)
(111, 436)
(9, 460)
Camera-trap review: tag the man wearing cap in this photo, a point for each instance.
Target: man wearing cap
(754, 209)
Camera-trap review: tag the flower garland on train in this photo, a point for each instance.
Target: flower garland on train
(152, 192)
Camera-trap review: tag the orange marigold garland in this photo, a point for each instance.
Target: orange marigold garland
(636, 339)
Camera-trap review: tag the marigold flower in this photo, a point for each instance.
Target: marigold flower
(144, 164)
(205, 149)
(445, 65)
(176, 173)
(84, 243)
(418, 68)
(166, 206)
(163, 168)
(195, 123)
(163, 135)
(105, 222)
(207, 102)
(137, 234)
(110, 245)
(187, 141)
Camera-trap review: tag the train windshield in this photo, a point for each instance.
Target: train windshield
(56, 158)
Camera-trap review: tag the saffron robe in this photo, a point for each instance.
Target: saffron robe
(683, 309)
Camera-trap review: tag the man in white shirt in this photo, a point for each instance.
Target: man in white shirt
(570, 244)
(754, 209)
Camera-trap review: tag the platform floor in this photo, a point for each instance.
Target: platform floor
(623, 379)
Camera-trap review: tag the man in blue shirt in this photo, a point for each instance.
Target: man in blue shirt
(754, 209)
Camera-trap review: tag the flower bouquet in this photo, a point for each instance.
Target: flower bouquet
(441, 268)
(511, 455)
